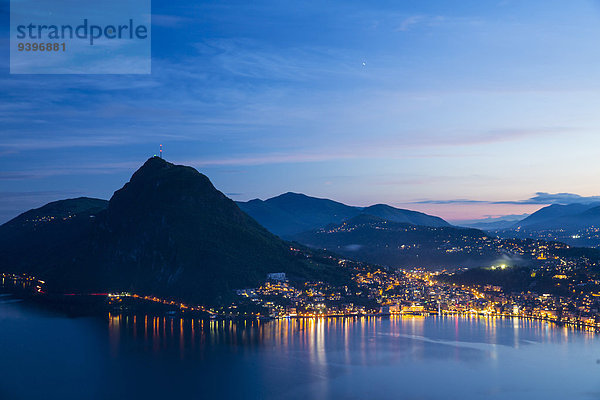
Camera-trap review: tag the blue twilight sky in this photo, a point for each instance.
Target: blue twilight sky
(459, 108)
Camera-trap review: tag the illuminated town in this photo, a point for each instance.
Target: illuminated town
(570, 295)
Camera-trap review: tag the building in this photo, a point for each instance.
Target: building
(277, 276)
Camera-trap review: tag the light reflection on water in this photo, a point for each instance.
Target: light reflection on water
(312, 334)
(339, 358)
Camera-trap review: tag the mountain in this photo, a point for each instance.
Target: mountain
(292, 213)
(62, 209)
(574, 224)
(375, 240)
(405, 216)
(560, 216)
(42, 238)
(168, 232)
(492, 223)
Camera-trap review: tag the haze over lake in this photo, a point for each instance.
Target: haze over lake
(49, 355)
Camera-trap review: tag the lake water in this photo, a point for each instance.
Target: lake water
(44, 355)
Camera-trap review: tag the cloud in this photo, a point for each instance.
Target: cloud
(17, 175)
(409, 22)
(169, 21)
(555, 198)
(452, 201)
(35, 194)
(65, 169)
(19, 144)
(253, 59)
(478, 137)
(307, 156)
(508, 135)
(264, 159)
(541, 198)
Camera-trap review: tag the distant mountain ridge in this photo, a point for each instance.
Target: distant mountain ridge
(575, 224)
(492, 223)
(556, 216)
(566, 217)
(292, 213)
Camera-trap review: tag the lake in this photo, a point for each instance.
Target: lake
(46, 355)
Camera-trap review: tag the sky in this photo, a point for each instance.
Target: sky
(462, 109)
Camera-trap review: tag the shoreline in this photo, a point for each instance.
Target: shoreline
(96, 305)
(30, 289)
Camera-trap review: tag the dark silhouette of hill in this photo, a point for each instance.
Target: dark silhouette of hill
(292, 213)
(375, 240)
(393, 214)
(168, 232)
(45, 240)
(61, 209)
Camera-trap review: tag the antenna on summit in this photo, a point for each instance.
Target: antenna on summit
(160, 151)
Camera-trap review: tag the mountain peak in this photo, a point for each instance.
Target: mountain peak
(159, 186)
(156, 166)
(156, 160)
(167, 232)
(292, 194)
(381, 207)
(153, 165)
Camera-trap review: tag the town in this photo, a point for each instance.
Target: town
(562, 287)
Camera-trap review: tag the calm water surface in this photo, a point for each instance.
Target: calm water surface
(50, 356)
